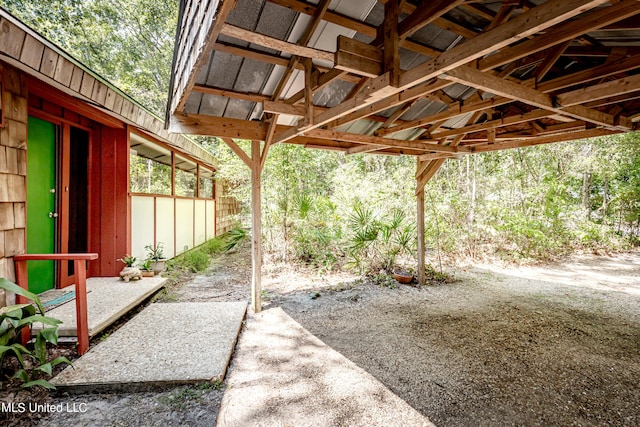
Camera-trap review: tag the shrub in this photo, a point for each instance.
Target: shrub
(195, 260)
(15, 318)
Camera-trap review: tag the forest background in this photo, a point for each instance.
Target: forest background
(332, 210)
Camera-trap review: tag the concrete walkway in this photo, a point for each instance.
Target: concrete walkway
(108, 299)
(282, 375)
(165, 344)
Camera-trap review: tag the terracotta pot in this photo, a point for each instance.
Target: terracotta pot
(403, 277)
(147, 273)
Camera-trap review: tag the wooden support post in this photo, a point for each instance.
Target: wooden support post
(256, 229)
(420, 228)
(82, 321)
(391, 54)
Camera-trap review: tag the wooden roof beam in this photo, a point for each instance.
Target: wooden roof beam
(528, 23)
(550, 86)
(463, 108)
(609, 89)
(227, 93)
(275, 43)
(381, 142)
(392, 101)
(525, 24)
(484, 81)
(569, 136)
(505, 121)
(425, 14)
(563, 32)
(271, 59)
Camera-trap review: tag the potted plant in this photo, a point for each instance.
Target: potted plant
(128, 260)
(155, 254)
(146, 269)
(129, 272)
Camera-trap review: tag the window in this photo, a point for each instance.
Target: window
(149, 167)
(185, 177)
(206, 184)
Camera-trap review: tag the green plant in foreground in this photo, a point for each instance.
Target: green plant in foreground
(15, 318)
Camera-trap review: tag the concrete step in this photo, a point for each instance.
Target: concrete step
(166, 344)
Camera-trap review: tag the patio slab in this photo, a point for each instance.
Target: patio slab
(165, 344)
(282, 375)
(108, 299)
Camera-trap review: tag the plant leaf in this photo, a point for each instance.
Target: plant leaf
(17, 349)
(40, 350)
(41, 383)
(50, 334)
(45, 367)
(12, 287)
(21, 374)
(61, 359)
(42, 319)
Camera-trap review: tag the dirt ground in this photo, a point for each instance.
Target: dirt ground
(551, 345)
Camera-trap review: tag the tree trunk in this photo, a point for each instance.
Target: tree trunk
(605, 200)
(587, 179)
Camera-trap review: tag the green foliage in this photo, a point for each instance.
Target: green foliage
(128, 260)
(233, 238)
(13, 320)
(214, 246)
(375, 240)
(385, 280)
(195, 260)
(145, 265)
(155, 253)
(128, 42)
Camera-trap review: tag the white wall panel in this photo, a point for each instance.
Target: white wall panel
(211, 219)
(164, 224)
(184, 225)
(200, 222)
(141, 225)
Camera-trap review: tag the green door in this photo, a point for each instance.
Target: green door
(41, 202)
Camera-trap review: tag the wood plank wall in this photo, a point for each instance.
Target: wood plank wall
(13, 172)
(227, 209)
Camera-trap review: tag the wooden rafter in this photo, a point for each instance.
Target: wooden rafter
(185, 82)
(528, 23)
(563, 32)
(275, 43)
(252, 97)
(591, 100)
(484, 81)
(424, 15)
(269, 58)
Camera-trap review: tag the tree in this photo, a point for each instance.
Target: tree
(128, 42)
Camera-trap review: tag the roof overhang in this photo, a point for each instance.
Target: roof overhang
(431, 79)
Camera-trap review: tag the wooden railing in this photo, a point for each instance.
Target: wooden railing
(80, 280)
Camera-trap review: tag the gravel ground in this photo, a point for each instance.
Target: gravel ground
(548, 345)
(493, 348)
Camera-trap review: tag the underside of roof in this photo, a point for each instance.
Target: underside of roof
(435, 79)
